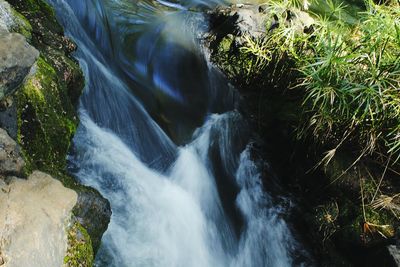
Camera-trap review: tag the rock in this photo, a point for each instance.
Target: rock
(93, 212)
(16, 60)
(394, 254)
(47, 119)
(9, 20)
(12, 21)
(8, 116)
(10, 161)
(6, 19)
(16, 55)
(250, 20)
(239, 20)
(256, 20)
(33, 217)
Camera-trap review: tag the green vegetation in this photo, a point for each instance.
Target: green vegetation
(349, 73)
(351, 80)
(46, 121)
(46, 116)
(327, 76)
(22, 25)
(46, 102)
(33, 7)
(80, 251)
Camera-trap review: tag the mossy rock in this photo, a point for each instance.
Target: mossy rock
(22, 25)
(46, 113)
(80, 251)
(46, 120)
(38, 8)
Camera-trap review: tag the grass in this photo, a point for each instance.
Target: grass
(352, 77)
(348, 67)
(343, 73)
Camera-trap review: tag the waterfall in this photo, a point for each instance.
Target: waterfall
(160, 138)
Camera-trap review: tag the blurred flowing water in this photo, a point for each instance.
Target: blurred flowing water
(160, 138)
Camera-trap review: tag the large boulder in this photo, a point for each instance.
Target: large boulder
(34, 214)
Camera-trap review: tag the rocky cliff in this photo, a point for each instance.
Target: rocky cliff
(40, 84)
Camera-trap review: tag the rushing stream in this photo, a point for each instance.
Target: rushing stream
(160, 138)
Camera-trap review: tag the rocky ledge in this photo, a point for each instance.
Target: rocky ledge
(43, 210)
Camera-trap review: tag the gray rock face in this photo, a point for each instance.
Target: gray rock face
(10, 161)
(16, 60)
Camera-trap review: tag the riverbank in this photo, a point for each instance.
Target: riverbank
(40, 87)
(340, 168)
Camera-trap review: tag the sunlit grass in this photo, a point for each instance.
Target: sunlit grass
(349, 68)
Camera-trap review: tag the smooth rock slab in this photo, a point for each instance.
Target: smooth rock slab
(16, 60)
(33, 217)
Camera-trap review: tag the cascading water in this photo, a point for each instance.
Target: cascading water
(160, 138)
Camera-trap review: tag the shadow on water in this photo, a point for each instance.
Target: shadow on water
(155, 52)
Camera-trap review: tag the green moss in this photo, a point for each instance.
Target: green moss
(46, 121)
(80, 251)
(39, 13)
(37, 6)
(46, 112)
(22, 25)
(237, 65)
(225, 44)
(381, 221)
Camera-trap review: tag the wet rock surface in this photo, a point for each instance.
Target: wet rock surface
(93, 212)
(247, 19)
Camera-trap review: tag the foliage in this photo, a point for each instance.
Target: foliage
(345, 67)
(349, 72)
(351, 80)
